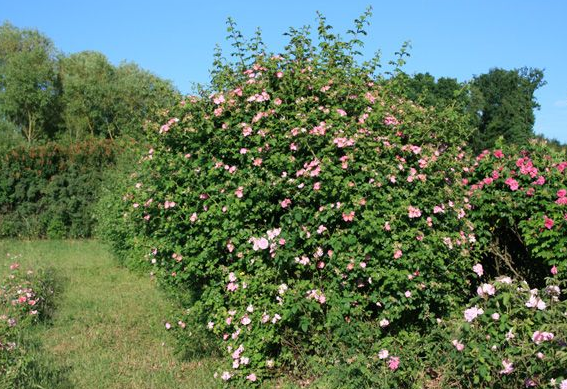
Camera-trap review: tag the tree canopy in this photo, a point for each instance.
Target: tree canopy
(504, 103)
(46, 95)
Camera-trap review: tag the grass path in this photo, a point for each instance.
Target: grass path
(108, 329)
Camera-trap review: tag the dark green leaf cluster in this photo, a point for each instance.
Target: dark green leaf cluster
(51, 190)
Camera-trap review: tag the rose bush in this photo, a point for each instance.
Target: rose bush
(299, 207)
(510, 336)
(520, 209)
(300, 201)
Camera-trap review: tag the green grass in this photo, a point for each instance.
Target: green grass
(108, 328)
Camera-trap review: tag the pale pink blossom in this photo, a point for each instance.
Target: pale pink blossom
(348, 217)
(508, 367)
(486, 290)
(512, 184)
(394, 363)
(542, 336)
(536, 302)
(413, 212)
(260, 243)
(383, 354)
(391, 121)
(458, 345)
(478, 269)
(472, 313)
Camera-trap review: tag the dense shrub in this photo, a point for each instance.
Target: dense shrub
(520, 201)
(302, 203)
(50, 190)
(112, 221)
(313, 220)
(510, 336)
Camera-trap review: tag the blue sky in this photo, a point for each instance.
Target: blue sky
(451, 38)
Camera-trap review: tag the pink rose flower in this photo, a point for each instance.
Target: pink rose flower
(548, 222)
(472, 313)
(478, 269)
(542, 336)
(394, 363)
(508, 367)
(413, 212)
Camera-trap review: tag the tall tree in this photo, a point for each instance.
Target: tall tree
(28, 81)
(425, 89)
(504, 102)
(107, 101)
(88, 94)
(138, 97)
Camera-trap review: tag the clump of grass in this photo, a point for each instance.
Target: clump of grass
(108, 330)
(26, 300)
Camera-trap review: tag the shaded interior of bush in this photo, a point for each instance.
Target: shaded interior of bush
(507, 255)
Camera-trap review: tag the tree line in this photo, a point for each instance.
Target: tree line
(48, 95)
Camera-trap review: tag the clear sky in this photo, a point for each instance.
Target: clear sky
(450, 38)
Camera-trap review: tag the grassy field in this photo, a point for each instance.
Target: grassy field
(108, 328)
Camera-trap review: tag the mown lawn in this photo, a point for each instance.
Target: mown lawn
(108, 329)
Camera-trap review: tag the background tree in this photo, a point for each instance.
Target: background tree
(86, 79)
(504, 103)
(138, 96)
(106, 101)
(425, 89)
(28, 82)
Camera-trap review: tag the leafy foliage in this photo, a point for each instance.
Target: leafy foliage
(50, 191)
(504, 101)
(49, 96)
(28, 81)
(519, 195)
(303, 202)
(510, 336)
